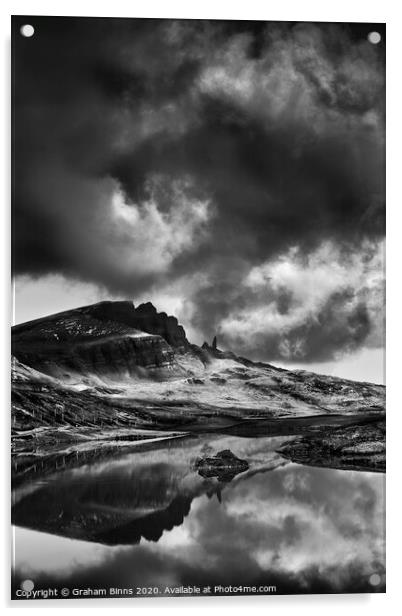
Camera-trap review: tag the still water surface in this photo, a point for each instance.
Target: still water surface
(148, 519)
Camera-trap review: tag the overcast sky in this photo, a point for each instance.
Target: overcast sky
(230, 172)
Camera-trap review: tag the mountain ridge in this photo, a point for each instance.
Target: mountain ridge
(84, 373)
(144, 318)
(111, 339)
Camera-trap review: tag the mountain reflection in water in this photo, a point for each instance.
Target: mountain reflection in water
(149, 519)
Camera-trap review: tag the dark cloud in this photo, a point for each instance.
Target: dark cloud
(332, 328)
(152, 154)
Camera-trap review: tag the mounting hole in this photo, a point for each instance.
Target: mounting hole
(27, 30)
(27, 585)
(374, 38)
(375, 579)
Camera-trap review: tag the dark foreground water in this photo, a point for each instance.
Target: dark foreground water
(146, 523)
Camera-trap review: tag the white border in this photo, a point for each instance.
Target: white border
(289, 10)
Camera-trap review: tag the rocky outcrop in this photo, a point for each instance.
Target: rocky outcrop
(144, 318)
(359, 447)
(147, 319)
(115, 358)
(212, 351)
(109, 339)
(224, 466)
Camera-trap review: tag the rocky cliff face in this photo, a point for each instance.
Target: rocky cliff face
(112, 364)
(144, 318)
(112, 340)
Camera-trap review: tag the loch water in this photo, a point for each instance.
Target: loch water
(145, 522)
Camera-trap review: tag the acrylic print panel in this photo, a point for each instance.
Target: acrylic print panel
(198, 233)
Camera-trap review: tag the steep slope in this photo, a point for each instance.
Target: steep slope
(109, 341)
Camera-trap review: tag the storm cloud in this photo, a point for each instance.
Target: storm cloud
(234, 167)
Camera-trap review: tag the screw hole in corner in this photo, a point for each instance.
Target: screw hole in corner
(27, 30)
(374, 38)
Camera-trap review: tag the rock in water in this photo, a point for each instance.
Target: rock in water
(224, 466)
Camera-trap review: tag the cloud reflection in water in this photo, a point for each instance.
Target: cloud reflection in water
(303, 529)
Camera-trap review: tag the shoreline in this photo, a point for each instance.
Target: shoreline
(47, 450)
